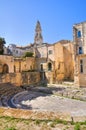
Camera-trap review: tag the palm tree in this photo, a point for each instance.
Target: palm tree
(2, 42)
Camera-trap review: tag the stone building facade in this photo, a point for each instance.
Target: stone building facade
(54, 62)
(79, 35)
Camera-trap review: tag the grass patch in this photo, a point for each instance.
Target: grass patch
(12, 128)
(83, 123)
(10, 123)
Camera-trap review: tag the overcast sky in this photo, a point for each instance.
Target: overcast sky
(18, 19)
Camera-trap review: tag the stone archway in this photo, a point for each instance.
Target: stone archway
(5, 68)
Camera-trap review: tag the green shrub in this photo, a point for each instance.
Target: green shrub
(77, 126)
(38, 122)
(28, 54)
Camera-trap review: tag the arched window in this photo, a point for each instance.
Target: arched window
(49, 66)
(80, 50)
(5, 68)
(78, 34)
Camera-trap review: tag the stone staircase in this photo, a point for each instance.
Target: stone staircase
(7, 90)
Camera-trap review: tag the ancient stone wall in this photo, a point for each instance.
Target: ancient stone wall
(20, 78)
(28, 64)
(82, 80)
(25, 64)
(49, 75)
(64, 61)
(33, 114)
(59, 62)
(39, 115)
(9, 61)
(68, 65)
(43, 62)
(80, 77)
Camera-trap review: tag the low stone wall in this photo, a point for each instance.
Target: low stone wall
(33, 114)
(20, 78)
(39, 115)
(82, 80)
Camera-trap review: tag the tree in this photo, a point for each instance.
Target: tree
(28, 54)
(2, 42)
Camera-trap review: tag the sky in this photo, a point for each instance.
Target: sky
(18, 19)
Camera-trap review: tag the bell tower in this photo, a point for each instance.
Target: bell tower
(38, 39)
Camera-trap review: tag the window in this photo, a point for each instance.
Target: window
(80, 50)
(78, 34)
(50, 52)
(16, 52)
(5, 68)
(49, 66)
(81, 66)
(41, 67)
